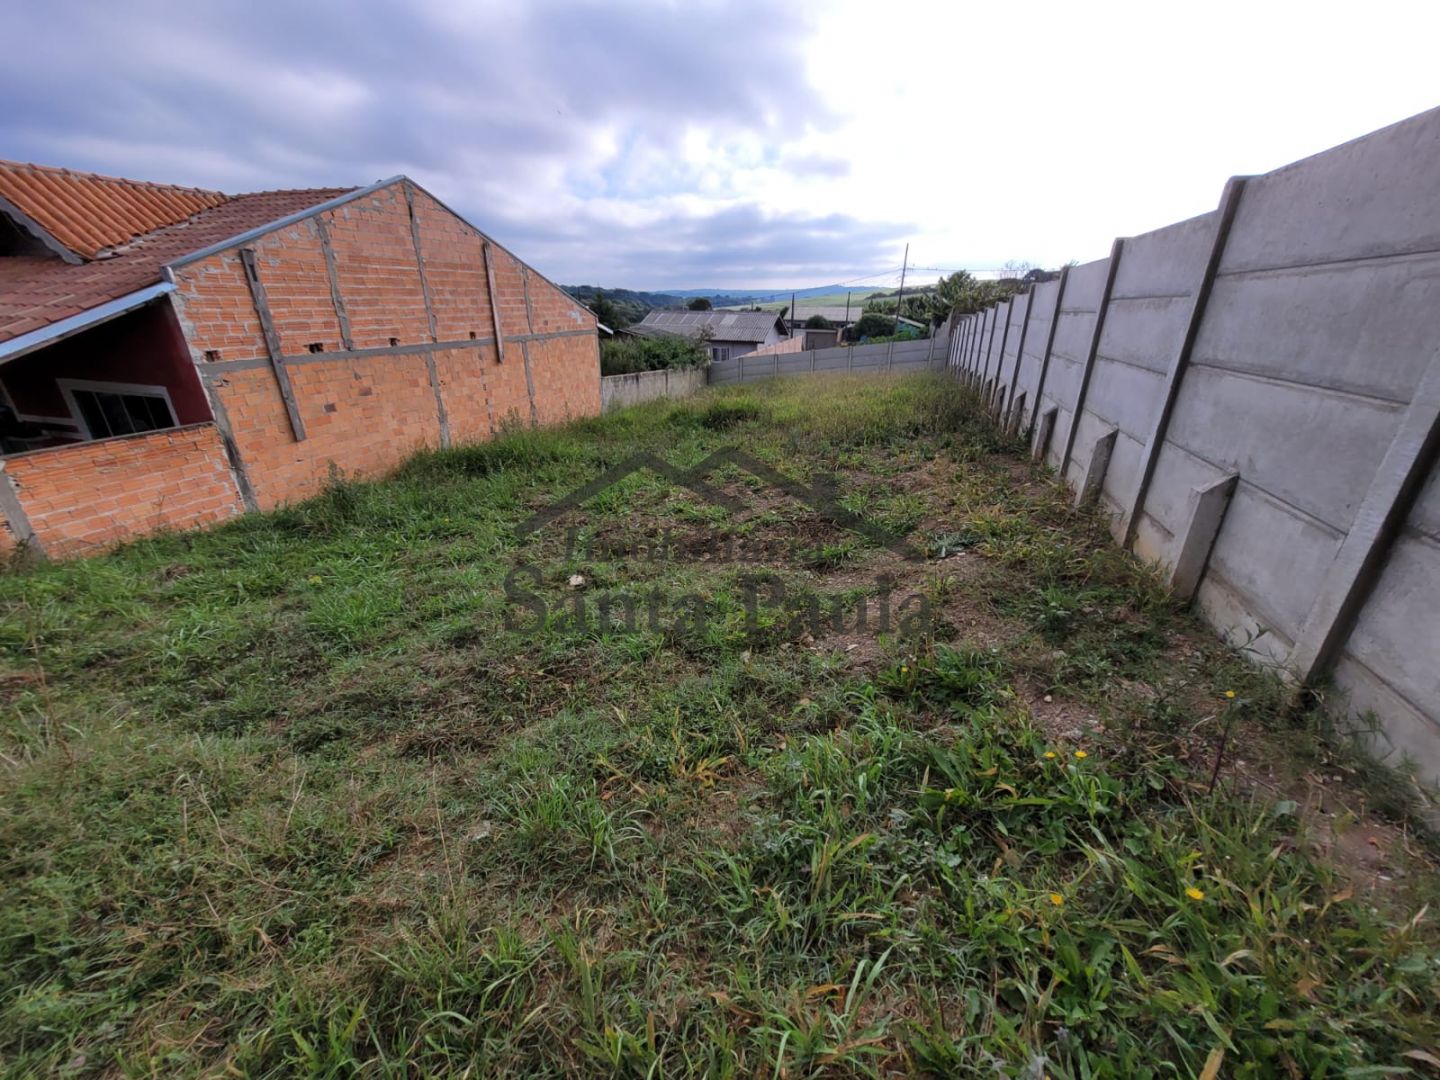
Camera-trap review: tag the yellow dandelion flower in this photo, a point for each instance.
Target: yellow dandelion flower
(1230, 693)
(315, 579)
(1050, 755)
(1056, 899)
(1081, 754)
(903, 669)
(1194, 893)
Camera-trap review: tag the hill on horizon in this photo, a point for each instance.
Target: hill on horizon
(630, 305)
(765, 295)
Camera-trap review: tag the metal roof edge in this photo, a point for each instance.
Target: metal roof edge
(279, 223)
(63, 328)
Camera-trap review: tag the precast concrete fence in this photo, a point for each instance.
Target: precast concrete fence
(895, 356)
(618, 391)
(1253, 395)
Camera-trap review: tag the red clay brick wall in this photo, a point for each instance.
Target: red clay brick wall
(364, 415)
(81, 499)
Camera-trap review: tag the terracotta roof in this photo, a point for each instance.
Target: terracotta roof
(88, 213)
(37, 291)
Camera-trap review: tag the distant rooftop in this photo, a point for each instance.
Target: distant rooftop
(837, 314)
(722, 325)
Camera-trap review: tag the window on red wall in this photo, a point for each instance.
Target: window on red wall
(107, 409)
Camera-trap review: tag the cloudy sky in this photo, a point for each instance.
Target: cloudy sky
(698, 144)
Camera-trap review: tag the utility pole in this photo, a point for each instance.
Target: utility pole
(847, 307)
(794, 315)
(900, 296)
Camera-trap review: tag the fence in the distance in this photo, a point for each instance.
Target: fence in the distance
(896, 356)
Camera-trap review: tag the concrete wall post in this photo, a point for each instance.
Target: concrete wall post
(1044, 430)
(1205, 515)
(1116, 249)
(1017, 410)
(13, 511)
(1403, 471)
(1024, 332)
(1099, 464)
(1229, 204)
(982, 363)
(1049, 345)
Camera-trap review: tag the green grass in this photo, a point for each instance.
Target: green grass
(286, 798)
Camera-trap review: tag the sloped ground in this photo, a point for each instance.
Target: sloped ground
(289, 798)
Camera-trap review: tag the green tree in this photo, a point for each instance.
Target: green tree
(626, 355)
(817, 322)
(873, 324)
(606, 311)
(700, 303)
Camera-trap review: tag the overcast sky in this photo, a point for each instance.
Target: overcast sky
(697, 144)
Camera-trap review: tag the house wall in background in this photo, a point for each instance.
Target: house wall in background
(337, 345)
(396, 352)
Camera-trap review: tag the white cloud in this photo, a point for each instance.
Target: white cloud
(710, 144)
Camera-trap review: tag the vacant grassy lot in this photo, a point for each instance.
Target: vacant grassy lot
(289, 798)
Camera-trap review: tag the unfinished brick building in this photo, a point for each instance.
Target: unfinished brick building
(171, 357)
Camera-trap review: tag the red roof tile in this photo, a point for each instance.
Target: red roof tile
(37, 291)
(89, 213)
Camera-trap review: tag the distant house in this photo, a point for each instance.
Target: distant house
(837, 315)
(727, 334)
(171, 357)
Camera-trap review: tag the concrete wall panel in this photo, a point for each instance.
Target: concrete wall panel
(1375, 196)
(1072, 335)
(1273, 557)
(1019, 311)
(1122, 478)
(1146, 331)
(1062, 381)
(1365, 327)
(1177, 472)
(1398, 632)
(1124, 396)
(1085, 285)
(1404, 731)
(1314, 449)
(1166, 262)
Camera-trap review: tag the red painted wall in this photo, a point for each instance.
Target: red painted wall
(143, 347)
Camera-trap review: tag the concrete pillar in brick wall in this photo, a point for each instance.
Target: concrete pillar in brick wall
(13, 511)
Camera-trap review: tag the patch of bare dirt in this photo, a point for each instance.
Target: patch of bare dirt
(1064, 721)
